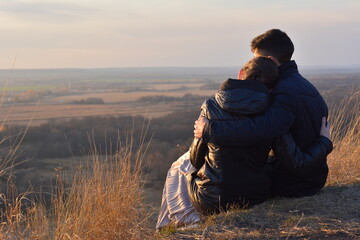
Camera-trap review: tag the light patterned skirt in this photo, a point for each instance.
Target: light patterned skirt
(176, 207)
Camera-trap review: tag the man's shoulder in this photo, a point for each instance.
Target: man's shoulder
(293, 83)
(288, 84)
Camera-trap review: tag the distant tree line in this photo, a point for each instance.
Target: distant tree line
(162, 98)
(210, 86)
(92, 100)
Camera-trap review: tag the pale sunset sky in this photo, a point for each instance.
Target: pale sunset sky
(160, 33)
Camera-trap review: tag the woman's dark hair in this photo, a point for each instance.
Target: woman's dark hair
(274, 43)
(261, 69)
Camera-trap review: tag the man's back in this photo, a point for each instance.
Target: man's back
(308, 107)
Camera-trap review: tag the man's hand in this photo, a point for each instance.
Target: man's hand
(199, 126)
(325, 128)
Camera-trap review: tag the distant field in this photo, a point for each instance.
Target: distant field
(26, 88)
(42, 113)
(131, 97)
(115, 104)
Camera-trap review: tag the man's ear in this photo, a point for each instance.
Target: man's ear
(274, 59)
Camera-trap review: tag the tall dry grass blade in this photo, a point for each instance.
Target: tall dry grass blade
(105, 200)
(344, 165)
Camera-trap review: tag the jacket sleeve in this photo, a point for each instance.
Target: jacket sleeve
(198, 151)
(293, 159)
(198, 148)
(276, 121)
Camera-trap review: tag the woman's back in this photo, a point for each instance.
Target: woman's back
(231, 174)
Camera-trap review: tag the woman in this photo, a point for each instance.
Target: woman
(231, 175)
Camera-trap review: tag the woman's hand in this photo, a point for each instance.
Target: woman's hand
(325, 128)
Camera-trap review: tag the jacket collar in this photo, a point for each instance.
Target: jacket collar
(244, 84)
(286, 69)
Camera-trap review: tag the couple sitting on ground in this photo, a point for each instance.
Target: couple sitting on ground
(269, 108)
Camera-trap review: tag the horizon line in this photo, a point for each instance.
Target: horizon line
(174, 67)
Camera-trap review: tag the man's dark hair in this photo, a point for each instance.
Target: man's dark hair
(274, 43)
(261, 69)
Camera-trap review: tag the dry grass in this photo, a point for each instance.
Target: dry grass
(344, 164)
(104, 202)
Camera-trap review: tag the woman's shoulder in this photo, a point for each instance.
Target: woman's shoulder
(211, 109)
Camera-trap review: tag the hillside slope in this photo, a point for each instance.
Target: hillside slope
(334, 213)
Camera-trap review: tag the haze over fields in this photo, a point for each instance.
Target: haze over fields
(41, 95)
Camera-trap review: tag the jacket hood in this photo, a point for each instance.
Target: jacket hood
(245, 97)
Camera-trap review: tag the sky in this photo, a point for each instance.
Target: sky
(164, 33)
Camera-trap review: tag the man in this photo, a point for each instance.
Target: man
(296, 107)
